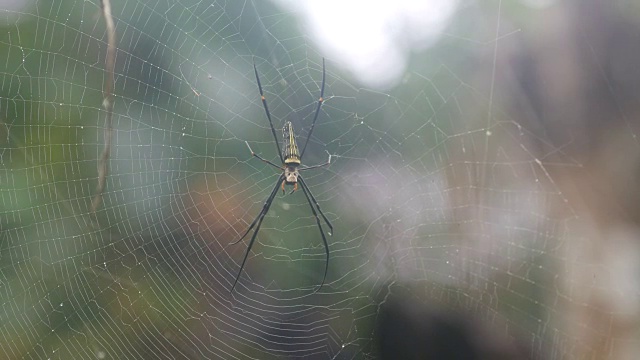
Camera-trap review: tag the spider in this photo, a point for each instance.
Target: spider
(291, 159)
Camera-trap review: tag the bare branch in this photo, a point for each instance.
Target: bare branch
(110, 63)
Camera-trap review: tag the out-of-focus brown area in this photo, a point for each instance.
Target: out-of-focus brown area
(571, 85)
(581, 83)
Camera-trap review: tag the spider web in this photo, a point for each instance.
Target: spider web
(437, 190)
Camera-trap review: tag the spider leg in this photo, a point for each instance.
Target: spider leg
(261, 158)
(316, 166)
(258, 220)
(266, 109)
(315, 117)
(304, 186)
(307, 192)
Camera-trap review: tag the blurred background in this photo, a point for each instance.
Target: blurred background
(483, 186)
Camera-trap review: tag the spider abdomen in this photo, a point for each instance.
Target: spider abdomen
(290, 150)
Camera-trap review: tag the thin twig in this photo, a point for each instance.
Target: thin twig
(110, 63)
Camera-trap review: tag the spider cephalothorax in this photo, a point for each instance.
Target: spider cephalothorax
(291, 175)
(290, 159)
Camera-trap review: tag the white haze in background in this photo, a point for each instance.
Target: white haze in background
(538, 4)
(10, 10)
(373, 38)
(12, 5)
